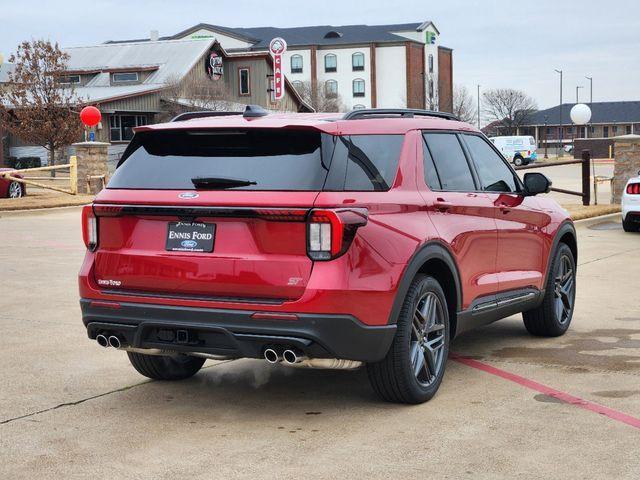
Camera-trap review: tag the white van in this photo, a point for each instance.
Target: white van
(520, 150)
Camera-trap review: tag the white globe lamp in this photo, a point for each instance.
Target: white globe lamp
(580, 114)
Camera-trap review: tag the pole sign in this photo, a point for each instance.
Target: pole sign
(277, 47)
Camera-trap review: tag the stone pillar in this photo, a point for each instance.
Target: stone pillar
(92, 166)
(627, 162)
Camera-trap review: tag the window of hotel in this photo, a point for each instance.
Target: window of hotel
(605, 132)
(614, 129)
(431, 92)
(331, 88)
(244, 84)
(121, 126)
(358, 87)
(627, 129)
(330, 63)
(296, 64)
(359, 107)
(70, 79)
(357, 61)
(297, 84)
(122, 77)
(430, 63)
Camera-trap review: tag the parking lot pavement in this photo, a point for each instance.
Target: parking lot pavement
(69, 409)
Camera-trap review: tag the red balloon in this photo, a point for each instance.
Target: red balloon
(90, 116)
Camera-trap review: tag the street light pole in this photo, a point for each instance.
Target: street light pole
(546, 143)
(478, 106)
(588, 126)
(561, 126)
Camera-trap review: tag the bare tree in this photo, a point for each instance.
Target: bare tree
(510, 108)
(37, 108)
(463, 107)
(195, 94)
(320, 100)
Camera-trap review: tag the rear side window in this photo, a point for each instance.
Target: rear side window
(430, 173)
(494, 174)
(273, 159)
(369, 162)
(450, 163)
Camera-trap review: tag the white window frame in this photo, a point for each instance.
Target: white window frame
(298, 58)
(115, 74)
(115, 124)
(330, 69)
(68, 77)
(328, 93)
(354, 67)
(359, 81)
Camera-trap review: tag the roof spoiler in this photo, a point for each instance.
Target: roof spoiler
(250, 111)
(397, 112)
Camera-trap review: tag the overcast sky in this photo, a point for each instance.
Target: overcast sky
(498, 43)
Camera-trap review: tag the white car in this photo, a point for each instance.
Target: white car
(631, 205)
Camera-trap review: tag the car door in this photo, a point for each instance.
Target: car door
(519, 219)
(462, 215)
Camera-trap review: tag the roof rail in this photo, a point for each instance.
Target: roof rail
(393, 112)
(190, 115)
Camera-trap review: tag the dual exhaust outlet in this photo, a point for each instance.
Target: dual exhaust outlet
(288, 356)
(110, 341)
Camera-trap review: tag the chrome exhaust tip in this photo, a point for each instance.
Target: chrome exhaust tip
(102, 341)
(271, 356)
(292, 357)
(114, 341)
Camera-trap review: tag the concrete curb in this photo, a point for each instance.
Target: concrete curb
(37, 211)
(589, 222)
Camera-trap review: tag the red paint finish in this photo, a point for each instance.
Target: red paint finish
(552, 392)
(5, 182)
(261, 264)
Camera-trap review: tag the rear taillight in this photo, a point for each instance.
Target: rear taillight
(89, 228)
(330, 232)
(633, 189)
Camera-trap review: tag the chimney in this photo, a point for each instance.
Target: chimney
(155, 36)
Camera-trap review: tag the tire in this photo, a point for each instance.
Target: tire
(160, 367)
(15, 190)
(517, 161)
(630, 226)
(393, 378)
(553, 317)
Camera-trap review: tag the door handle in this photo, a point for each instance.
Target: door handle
(442, 205)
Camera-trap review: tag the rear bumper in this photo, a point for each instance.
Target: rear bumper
(235, 333)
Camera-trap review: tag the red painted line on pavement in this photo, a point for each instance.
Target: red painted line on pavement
(562, 396)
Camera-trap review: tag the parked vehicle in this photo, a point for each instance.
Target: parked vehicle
(320, 240)
(520, 150)
(631, 205)
(10, 188)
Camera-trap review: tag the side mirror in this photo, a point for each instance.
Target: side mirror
(535, 183)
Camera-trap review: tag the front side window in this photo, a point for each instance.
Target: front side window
(330, 63)
(296, 64)
(450, 163)
(357, 61)
(244, 86)
(358, 87)
(121, 126)
(120, 77)
(493, 172)
(331, 88)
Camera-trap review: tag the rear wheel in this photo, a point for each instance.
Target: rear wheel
(553, 316)
(165, 368)
(15, 190)
(518, 161)
(414, 366)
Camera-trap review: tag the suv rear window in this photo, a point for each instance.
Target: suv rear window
(273, 159)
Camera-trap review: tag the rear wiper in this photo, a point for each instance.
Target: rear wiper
(220, 182)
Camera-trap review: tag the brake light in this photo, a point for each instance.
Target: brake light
(633, 189)
(330, 232)
(89, 228)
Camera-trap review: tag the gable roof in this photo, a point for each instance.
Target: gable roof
(259, 37)
(601, 112)
(166, 61)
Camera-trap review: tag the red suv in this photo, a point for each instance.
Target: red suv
(321, 240)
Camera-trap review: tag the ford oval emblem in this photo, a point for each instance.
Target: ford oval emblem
(188, 195)
(188, 243)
